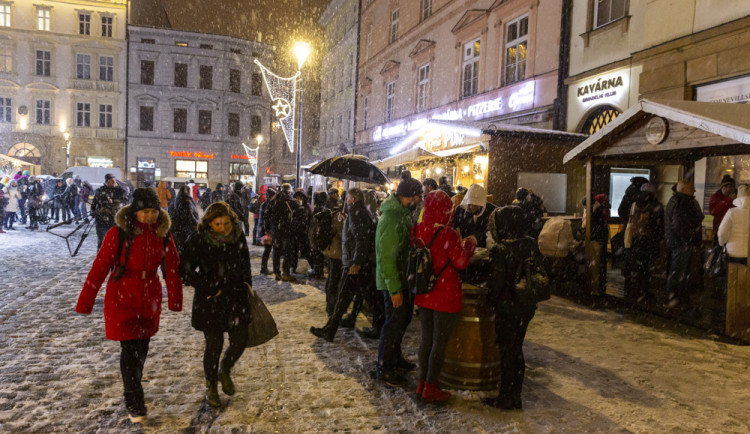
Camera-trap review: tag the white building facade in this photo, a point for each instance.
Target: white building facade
(338, 82)
(194, 99)
(62, 74)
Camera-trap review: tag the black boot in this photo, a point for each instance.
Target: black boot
(227, 386)
(212, 393)
(322, 333)
(504, 402)
(136, 406)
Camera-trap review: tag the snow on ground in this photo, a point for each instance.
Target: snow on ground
(587, 371)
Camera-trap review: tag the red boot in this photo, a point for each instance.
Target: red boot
(432, 393)
(420, 387)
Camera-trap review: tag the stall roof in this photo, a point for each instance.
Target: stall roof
(415, 153)
(731, 121)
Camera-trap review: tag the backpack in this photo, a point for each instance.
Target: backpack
(420, 272)
(556, 238)
(638, 221)
(320, 234)
(254, 205)
(119, 269)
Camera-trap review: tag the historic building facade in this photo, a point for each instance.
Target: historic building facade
(194, 99)
(62, 82)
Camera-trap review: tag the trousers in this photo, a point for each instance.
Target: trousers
(396, 322)
(214, 344)
(436, 331)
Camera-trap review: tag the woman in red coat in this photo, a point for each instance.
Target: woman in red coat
(438, 309)
(132, 302)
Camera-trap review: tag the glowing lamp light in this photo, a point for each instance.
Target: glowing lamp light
(66, 135)
(439, 171)
(481, 160)
(63, 127)
(466, 169)
(259, 138)
(301, 50)
(427, 172)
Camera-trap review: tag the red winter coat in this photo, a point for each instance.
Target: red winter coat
(132, 305)
(447, 295)
(718, 206)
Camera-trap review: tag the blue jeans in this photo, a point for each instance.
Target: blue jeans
(82, 211)
(22, 210)
(396, 321)
(101, 231)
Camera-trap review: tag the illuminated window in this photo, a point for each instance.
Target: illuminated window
(4, 15)
(390, 95)
(516, 43)
(106, 68)
(606, 11)
(84, 24)
(191, 169)
(105, 115)
(423, 80)
(470, 69)
(6, 59)
(83, 114)
(394, 26)
(43, 15)
(599, 118)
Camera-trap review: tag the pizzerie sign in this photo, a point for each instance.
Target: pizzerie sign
(186, 154)
(503, 101)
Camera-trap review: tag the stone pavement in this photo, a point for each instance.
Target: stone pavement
(587, 371)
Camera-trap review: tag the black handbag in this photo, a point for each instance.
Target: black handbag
(262, 327)
(716, 262)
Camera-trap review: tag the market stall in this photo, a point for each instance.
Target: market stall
(661, 136)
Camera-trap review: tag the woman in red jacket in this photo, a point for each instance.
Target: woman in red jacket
(438, 309)
(132, 302)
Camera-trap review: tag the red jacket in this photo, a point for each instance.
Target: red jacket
(447, 295)
(718, 206)
(262, 192)
(132, 305)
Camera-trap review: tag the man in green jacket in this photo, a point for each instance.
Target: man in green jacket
(392, 251)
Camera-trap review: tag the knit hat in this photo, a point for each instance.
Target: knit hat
(727, 180)
(238, 186)
(408, 187)
(108, 176)
(521, 194)
(144, 198)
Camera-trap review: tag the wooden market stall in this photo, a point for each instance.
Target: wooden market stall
(672, 133)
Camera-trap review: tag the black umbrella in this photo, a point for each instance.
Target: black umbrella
(351, 167)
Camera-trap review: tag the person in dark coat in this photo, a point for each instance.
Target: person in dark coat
(358, 260)
(683, 220)
(302, 248)
(334, 201)
(533, 207)
(83, 195)
(172, 196)
(205, 198)
(645, 247)
(132, 302)
(34, 194)
(237, 204)
(265, 230)
(472, 217)
(284, 220)
(216, 262)
(107, 201)
(631, 193)
(600, 234)
(184, 216)
(69, 200)
(218, 194)
(445, 186)
(58, 198)
(513, 309)
(316, 259)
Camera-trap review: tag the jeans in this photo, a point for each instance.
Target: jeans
(214, 343)
(22, 210)
(332, 284)
(437, 328)
(82, 211)
(10, 217)
(132, 358)
(101, 231)
(396, 321)
(77, 208)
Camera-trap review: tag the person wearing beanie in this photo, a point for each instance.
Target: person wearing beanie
(721, 201)
(107, 202)
(133, 252)
(623, 211)
(472, 217)
(391, 257)
(218, 194)
(237, 204)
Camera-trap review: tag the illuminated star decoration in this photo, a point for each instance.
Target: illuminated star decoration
(282, 108)
(283, 93)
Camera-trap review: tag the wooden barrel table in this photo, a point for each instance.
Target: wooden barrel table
(472, 360)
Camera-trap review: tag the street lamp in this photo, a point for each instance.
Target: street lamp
(66, 135)
(301, 50)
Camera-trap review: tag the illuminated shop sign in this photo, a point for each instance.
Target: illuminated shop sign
(728, 91)
(611, 88)
(242, 157)
(499, 102)
(186, 154)
(600, 89)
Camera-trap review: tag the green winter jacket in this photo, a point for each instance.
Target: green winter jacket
(392, 245)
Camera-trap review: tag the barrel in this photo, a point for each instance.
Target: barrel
(472, 359)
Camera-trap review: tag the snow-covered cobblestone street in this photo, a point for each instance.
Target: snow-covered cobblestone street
(587, 371)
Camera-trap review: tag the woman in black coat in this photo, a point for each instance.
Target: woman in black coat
(184, 215)
(216, 262)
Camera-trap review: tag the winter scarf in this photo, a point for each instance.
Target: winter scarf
(216, 239)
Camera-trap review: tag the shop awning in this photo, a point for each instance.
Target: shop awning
(413, 154)
(457, 151)
(731, 121)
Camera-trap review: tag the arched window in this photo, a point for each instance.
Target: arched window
(599, 118)
(24, 151)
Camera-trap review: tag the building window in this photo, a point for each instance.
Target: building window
(422, 82)
(6, 59)
(470, 69)
(255, 126)
(5, 110)
(43, 62)
(242, 172)
(204, 121)
(390, 94)
(147, 118)
(43, 112)
(257, 86)
(83, 66)
(515, 50)
(148, 41)
(394, 26)
(365, 104)
(191, 169)
(107, 23)
(106, 68)
(43, 18)
(233, 127)
(206, 77)
(83, 114)
(426, 9)
(84, 24)
(179, 124)
(105, 115)
(204, 46)
(599, 118)
(4, 15)
(180, 74)
(234, 80)
(606, 11)
(147, 72)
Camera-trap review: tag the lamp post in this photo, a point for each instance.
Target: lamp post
(301, 50)
(66, 135)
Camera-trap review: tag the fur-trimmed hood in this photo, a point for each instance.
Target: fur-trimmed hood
(164, 222)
